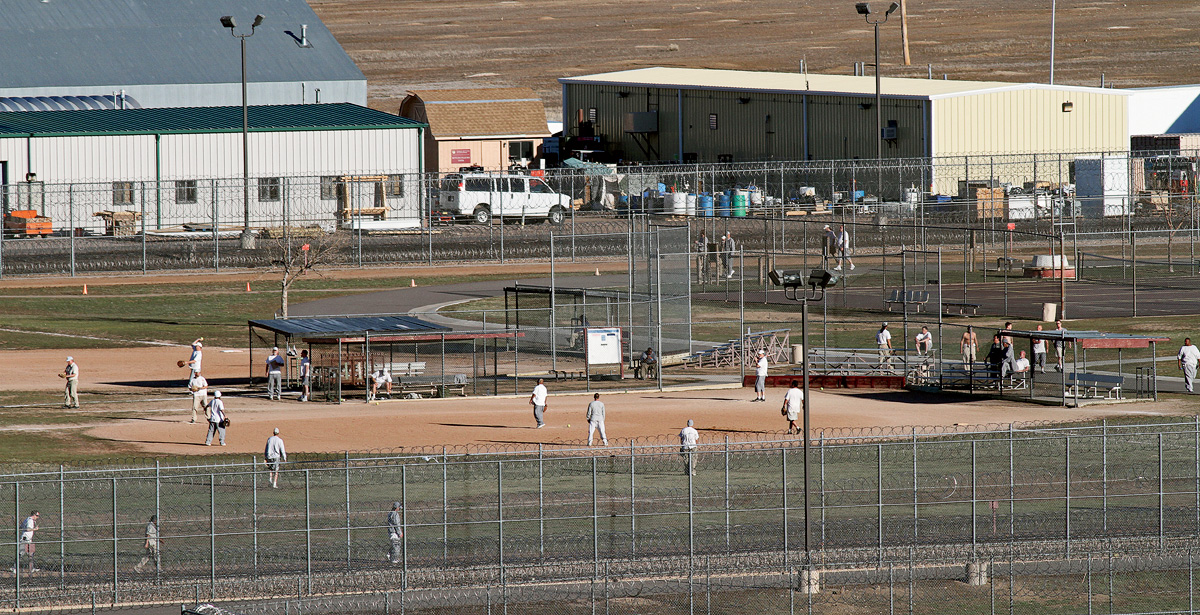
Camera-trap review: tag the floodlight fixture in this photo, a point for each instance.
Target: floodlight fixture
(892, 8)
(863, 8)
(822, 278)
(258, 19)
(228, 22)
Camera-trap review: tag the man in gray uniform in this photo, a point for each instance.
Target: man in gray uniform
(71, 373)
(595, 419)
(151, 545)
(689, 438)
(274, 375)
(395, 534)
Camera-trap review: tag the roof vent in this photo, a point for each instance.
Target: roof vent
(304, 35)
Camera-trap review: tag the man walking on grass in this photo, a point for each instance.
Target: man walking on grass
(275, 454)
(71, 393)
(689, 439)
(395, 534)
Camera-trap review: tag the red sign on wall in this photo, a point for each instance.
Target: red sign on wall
(460, 156)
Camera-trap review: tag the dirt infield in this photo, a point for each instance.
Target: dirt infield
(508, 421)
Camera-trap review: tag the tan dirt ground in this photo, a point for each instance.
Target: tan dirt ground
(411, 44)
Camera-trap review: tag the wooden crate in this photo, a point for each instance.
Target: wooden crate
(988, 203)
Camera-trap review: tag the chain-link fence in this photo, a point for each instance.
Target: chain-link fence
(1041, 498)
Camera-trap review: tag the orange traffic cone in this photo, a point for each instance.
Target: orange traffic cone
(85, 289)
(412, 283)
(247, 287)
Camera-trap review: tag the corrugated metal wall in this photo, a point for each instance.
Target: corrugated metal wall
(750, 126)
(1024, 121)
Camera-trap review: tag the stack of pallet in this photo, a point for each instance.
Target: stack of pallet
(989, 203)
(27, 222)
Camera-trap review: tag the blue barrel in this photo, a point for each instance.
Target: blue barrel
(705, 203)
(723, 205)
(635, 203)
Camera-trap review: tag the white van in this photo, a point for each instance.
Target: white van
(481, 196)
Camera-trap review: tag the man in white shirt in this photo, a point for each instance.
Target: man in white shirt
(595, 419)
(1039, 353)
(216, 419)
(760, 376)
(196, 357)
(924, 341)
(1021, 364)
(382, 379)
(538, 401)
(843, 246)
(151, 545)
(305, 375)
(689, 439)
(274, 375)
(27, 548)
(883, 340)
(793, 405)
(198, 385)
(1060, 346)
(1189, 357)
(274, 454)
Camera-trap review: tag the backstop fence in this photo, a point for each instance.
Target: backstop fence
(1023, 515)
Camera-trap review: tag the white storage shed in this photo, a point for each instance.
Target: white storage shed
(322, 164)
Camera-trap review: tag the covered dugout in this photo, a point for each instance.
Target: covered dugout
(1077, 381)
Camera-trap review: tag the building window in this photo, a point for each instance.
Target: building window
(122, 193)
(520, 150)
(712, 121)
(268, 188)
(592, 115)
(393, 188)
(329, 187)
(185, 191)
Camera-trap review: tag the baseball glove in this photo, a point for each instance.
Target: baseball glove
(181, 363)
(62, 375)
(225, 422)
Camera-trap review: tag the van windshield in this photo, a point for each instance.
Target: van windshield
(539, 186)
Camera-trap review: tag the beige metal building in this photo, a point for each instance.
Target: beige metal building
(702, 115)
(487, 127)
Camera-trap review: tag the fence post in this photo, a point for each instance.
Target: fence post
(1067, 493)
(71, 223)
(404, 523)
(62, 531)
(691, 466)
(783, 482)
(500, 514)
(1161, 497)
(114, 542)
(879, 499)
(17, 541)
(346, 461)
(727, 516)
(446, 506)
(212, 536)
(254, 510)
(633, 500)
(308, 529)
(974, 500)
(595, 523)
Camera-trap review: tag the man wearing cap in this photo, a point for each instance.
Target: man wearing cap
(830, 248)
(71, 373)
(760, 376)
(198, 385)
(274, 454)
(274, 375)
(194, 360)
(216, 419)
(883, 340)
(395, 534)
(689, 438)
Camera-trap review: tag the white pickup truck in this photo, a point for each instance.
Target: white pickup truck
(481, 196)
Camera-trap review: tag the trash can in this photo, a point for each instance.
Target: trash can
(797, 353)
(1049, 312)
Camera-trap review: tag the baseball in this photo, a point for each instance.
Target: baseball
(568, 424)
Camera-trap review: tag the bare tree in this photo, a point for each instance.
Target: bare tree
(297, 252)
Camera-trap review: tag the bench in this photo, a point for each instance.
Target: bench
(909, 297)
(637, 366)
(961, 305)
(1093, 383)
(567, 374)
(980, 377)
(403, 370)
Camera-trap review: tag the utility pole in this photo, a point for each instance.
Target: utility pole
(904, 30)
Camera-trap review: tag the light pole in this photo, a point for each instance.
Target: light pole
(864, 9)
(818, 281)
(247, 235)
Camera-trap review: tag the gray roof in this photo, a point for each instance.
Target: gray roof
(100, 43)
(312, 327)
